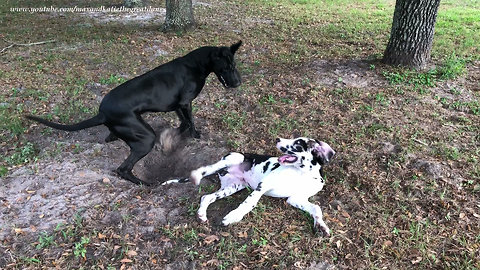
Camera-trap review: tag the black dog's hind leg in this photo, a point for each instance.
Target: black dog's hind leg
(141, 139)
(111, 137)
(186, 111)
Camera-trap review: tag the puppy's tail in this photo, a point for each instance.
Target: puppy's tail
(97, 120)
(181, 180)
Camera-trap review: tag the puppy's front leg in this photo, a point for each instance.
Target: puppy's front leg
(245, 207)
(314, 210)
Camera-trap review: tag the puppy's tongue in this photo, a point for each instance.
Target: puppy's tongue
(287, 159)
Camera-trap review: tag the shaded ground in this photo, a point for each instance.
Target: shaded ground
(402, 192)
(82, 181)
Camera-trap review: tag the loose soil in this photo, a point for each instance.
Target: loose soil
(402, 192)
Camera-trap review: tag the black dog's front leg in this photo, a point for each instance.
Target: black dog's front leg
(185, 115)
(183, 122)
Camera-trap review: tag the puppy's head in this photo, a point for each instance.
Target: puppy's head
(300, 151)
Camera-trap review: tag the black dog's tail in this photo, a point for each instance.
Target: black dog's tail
(94, 121)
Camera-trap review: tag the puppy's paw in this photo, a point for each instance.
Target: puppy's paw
(322, 228)
(232, 217)
(202, 217)
(196, 176)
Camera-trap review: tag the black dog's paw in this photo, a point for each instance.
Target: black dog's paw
(111, 138)
(189, 133)
(132, 178)
(195, 134)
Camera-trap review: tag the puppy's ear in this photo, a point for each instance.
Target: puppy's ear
(235, 47)
(323, 152)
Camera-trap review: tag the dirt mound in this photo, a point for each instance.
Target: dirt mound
(81, 183)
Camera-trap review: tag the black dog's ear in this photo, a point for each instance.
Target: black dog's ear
(235, 47)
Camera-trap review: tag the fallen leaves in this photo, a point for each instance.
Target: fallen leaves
(210, 239)
(131, 253)
(387, 243)
(416, 260)
(243, 234)
(370, 211)
(213, 262)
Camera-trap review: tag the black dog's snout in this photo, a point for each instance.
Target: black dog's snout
(236, 84)
(277, 140)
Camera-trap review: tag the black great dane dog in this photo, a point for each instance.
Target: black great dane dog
(169, 87)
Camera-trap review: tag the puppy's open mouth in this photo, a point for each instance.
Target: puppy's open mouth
(287, 159)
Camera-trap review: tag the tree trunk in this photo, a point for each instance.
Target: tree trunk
(134, 3)
(412, 33)
(179, 15)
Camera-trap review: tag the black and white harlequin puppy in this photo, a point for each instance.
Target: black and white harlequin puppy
(296, 175)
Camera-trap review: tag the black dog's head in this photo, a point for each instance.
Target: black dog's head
(304, 149)
(224, 66)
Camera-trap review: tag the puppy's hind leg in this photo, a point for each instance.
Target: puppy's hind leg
(245, 207)
(314, 210)
(210, 198)
(228, 160)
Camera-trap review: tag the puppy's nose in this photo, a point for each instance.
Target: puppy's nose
(277, 140)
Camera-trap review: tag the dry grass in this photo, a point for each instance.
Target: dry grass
(403, 191)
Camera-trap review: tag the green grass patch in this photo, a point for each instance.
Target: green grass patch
(21, 155)
(282, 126)
(234, 121)
(452, 68)
(361, 27)
(112, 79)
(45, 240)
(457, 27)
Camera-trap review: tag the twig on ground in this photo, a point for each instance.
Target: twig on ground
(420, 142)
(25, 44)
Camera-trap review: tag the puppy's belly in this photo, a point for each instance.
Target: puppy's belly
(284, 188)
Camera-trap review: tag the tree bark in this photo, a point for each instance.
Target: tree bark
(179, 15)
(412, 32)
(134, 3)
